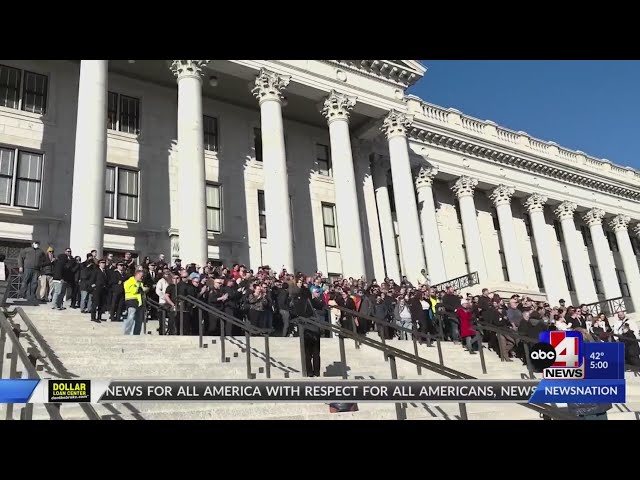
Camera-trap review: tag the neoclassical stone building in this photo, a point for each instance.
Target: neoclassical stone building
(308, 165)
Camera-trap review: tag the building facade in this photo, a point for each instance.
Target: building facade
(305, 165)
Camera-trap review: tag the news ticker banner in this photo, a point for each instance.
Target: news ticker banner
(305, 391)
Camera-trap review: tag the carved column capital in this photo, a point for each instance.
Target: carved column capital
(535, 203)
(620, 222)
(593, 217)
(188, 68)
(338, 106)
(425, 176)
(396, 123)
(464, 186)
(269, 85)
(636, 230)
(565, 210)
(501, 195)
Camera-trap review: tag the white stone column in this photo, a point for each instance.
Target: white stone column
(192, 203)
(363, 172)
(578, 264)
(429, 223)
(501, 198)
(464, 188)
(604, 257)
(395, 128)
(385, 220)
(552, 273)
(336, 110)
(267, 88)
(90, 160)
(620, 225)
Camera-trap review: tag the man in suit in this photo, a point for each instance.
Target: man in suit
(117, 278)
(99, 284)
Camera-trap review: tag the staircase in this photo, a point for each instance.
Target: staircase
(86, 350)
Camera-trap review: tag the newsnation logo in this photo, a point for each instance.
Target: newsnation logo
(560, 355)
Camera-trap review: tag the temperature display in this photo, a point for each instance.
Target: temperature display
(604, 360)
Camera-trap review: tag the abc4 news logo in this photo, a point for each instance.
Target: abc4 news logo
(559, 356)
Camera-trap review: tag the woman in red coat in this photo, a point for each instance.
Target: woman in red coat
(467, 332)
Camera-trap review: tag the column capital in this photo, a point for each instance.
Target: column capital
(636, 230)
(620, 222)
(593, 217)
(337, 106)
(425, 176)
(269, 85)
(464, 186)
(502, 194)
(188, 68)
(565, 210)
(535, 202)
(396, 123)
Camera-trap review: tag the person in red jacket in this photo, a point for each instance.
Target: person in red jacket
(467, 332)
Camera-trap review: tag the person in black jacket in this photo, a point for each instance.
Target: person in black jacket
(60, 267)
(74, 269)
(117, 278)
(451, 303)
(217, 298)
(281, 295)
(86, 273)
(30, 262)
(231, 305)
(631, 347)
(312, 334)
(99, 285)
(347, 320)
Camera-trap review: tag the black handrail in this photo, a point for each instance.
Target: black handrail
(392, 353)
(458, 283)
(52, 359)
(249, 330)
(29, 361)
(163, 327)
(610, 306)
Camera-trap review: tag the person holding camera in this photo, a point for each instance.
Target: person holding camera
(133, 299)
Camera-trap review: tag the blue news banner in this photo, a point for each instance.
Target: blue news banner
(598, 371)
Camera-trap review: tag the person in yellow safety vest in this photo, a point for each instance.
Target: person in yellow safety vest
(133, 295)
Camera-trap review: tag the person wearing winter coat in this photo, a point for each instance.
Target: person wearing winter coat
(402, 317)
(467, 332)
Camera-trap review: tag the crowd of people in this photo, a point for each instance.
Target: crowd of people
(270, 299)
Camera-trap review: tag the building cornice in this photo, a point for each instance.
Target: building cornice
(427, 115)
(531, 162)
(400, 74)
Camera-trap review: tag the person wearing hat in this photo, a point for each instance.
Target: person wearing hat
(45, 282)
(562, 302)
(30, 262)
(117, 278)
(99, 285)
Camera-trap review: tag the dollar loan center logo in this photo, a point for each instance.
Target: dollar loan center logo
(559, 355)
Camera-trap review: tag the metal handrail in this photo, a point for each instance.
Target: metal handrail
(249, 330)
(613, 305)
(457, 283)
(392, 353)
(52, 358)
(162, 316)
(29, 362)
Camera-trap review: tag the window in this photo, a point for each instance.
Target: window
(567, 275)
(622, 282)
(586, 236)
(503, 262)
(214, 208)
(527, 224)
(122, 194)
(595, 275)
(123, 113)
(23, 90)
(635, 245)
(21, 184)
(323, 158)
(558, 228)
(613, 241)
(257, 144)
(536, 269)
(496, 220)
(210, 125)
(329, 224)
(262, 215)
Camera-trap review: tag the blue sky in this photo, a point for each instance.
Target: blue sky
(593, 106)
